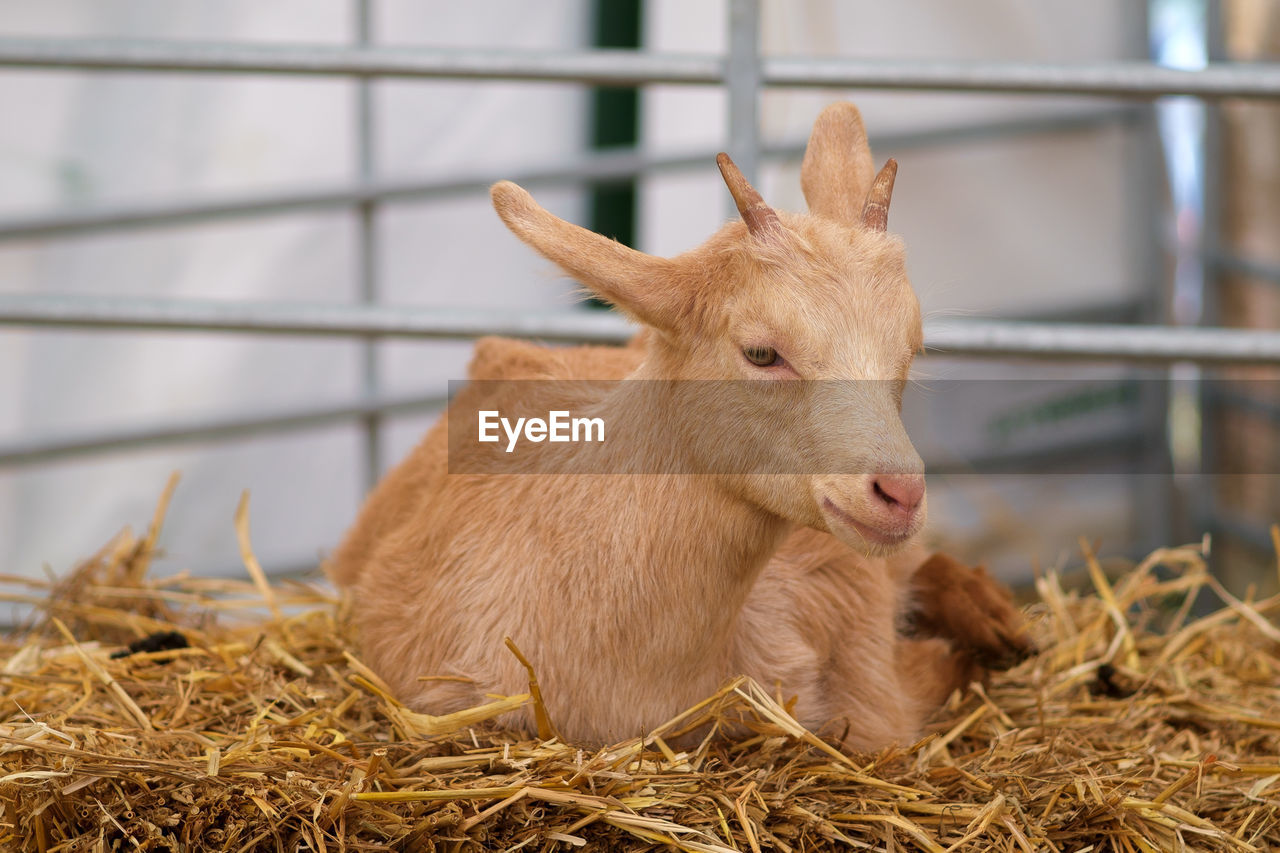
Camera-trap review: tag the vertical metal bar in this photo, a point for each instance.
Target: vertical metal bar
(742, 79)
(1154, 498)
(1205, 510)
(1211, 200)
(1182, 121)
(367, 246)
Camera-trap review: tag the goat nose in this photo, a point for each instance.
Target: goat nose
(899, 491)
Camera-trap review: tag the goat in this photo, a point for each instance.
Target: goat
(637, 595)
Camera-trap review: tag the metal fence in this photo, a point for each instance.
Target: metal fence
(742, 71)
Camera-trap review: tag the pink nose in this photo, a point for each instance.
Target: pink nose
(899, 492)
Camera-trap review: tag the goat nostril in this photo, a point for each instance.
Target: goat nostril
(899, 490)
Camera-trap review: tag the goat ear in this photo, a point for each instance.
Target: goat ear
(641, 285)
(837, 171)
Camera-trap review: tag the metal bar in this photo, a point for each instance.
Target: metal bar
(1152, 344)
(1201, 502)
(742, 79)
(31, 451)
(1231, 398)
(1064, 458)
(601, 67)
(1251, 534)
(1229, 262)
(318, 319)
(367, 245)
(595, 167)
(632, 68)
(1152, 498)
(1110, 79)
(1086, 342)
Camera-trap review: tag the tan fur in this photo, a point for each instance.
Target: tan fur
(636, 595)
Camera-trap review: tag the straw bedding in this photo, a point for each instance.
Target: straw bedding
(1139, 727)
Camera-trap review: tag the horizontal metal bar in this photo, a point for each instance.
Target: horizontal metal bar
(600, 67)
(1234, 399)
(1252, 534)
(1229, 262)
(46, 448)
(1099, 342)
(1059, 341)
(633, 68)
(1103, 79)
(585, 169)
(1064, 458)
(314, 319)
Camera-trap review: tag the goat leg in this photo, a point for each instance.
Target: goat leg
(971, 609)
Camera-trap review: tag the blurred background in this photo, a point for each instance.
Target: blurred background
(123, 176)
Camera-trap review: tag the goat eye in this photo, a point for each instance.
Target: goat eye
(761, 356)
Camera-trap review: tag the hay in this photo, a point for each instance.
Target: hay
(1138, 728)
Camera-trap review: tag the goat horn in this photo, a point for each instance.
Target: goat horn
(760, 217)
(875, 213)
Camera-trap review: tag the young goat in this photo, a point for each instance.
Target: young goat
(637, 595)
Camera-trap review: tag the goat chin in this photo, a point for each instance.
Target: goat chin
(636, 596)
(867, 537)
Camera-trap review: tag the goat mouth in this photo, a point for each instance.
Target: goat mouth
(874, 535)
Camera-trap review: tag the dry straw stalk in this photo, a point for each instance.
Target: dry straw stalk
(1137, 728)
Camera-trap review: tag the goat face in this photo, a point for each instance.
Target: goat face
(825, 315)
(816, 305)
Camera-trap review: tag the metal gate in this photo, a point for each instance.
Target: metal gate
(742, 71)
